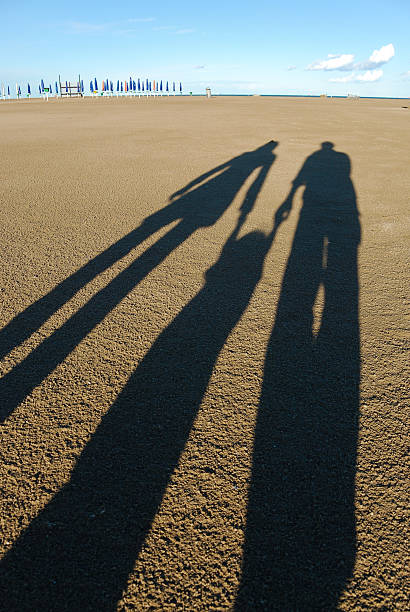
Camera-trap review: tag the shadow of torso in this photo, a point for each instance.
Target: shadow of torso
(203, 203)
(329, 199)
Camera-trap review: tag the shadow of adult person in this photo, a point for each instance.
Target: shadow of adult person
(300, 537)
(78, 553)
(199, 204)
(198, 208)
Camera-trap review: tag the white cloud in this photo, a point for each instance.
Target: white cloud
(406, 75)
(174, 29)
(292, 67)
(334, 62)
(344, 62)
(360, 72)
(185, 31)
(199, 67)
(370, 76)
(383, 55)
(126, 31)
(378, 58)
(141, 19)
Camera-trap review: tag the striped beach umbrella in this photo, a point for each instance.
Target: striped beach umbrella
(142, 86)
(173, 86)
(39, 89)
(146, 85)
(167, 88)
(56, 87)
(19, 91)
(153, 86)
(91, 87)
(160, 86)
(50, 89)
(8, 90)
(122, 86)
(82, 86)
(139, 85)
(28, 89)
(111, 86)
(42, 85)
(118, 85)
(95, 85)
(180, 87)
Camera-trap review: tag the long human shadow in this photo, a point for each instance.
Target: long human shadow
(199, 204)
(196, 207)
(78, 553)
(300, 542)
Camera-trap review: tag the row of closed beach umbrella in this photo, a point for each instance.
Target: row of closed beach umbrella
(107, 87)
(43, 89)
(139, 86)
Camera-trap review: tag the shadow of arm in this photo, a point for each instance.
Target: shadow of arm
(199, 180)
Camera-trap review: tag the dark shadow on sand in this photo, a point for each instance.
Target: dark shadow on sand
(300, 538)
(198, 205)
(78, 553)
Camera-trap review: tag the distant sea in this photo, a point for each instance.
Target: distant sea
(296, 96)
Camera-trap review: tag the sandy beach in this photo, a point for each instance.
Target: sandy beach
(203, 342)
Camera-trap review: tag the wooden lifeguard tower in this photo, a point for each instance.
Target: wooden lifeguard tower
(70, 89)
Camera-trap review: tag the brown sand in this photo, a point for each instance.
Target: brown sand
(177, 432)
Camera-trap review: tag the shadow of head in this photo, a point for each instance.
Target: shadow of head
(268, 147)
(241, 259)
(327, 145)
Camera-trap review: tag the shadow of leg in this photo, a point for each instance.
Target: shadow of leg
(300, 538)
(78, 553)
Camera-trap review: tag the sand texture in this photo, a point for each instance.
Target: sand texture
(203, 334)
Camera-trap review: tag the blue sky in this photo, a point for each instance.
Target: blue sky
(279, 47)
